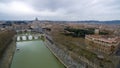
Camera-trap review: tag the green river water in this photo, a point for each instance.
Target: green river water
(34, 54)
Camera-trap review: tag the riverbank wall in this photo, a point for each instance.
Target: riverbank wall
(66, 56)
(63, 56)
(6, 59)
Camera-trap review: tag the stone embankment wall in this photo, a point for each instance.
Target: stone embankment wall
(66, 59)
(6, 59)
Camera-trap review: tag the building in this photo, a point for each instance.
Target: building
(102, 43)
(96, 31)
(35, 24)
(20, 26)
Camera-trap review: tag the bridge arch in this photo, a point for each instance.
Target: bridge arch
(28, 35)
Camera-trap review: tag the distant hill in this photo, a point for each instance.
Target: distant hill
(111, 22)
(90, 22)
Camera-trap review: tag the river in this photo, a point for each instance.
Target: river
(34, 54)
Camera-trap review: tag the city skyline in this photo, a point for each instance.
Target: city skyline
(69, 10)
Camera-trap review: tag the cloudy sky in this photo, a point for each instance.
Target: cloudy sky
(60, 9)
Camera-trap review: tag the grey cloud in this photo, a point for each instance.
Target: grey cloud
(73, 9)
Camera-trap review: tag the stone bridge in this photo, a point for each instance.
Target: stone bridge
(28, 37)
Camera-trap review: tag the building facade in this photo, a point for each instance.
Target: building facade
(102, 43)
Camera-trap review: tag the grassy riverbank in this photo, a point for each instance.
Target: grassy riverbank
(6, 37)
(77, 47)
(8, 55)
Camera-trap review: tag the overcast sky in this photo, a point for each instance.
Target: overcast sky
(60, 9)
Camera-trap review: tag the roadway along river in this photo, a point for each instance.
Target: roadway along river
(34, 54)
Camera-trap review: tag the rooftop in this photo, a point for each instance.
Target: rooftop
(105, 38)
